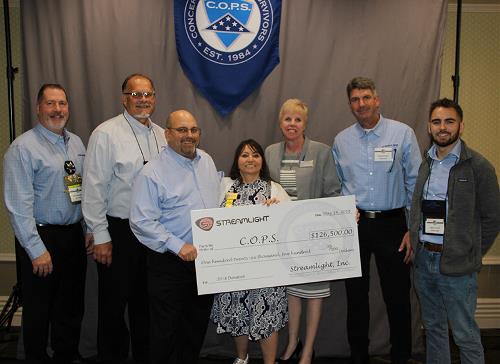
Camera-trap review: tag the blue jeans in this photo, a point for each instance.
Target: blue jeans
(447, 300)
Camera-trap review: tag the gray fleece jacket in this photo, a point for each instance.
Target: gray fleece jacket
(473, 219)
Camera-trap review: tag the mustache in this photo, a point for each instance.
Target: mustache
(56, 114)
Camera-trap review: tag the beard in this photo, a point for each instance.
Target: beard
(143, 110)
(143, 115)
(444, 143)
(55, 121)
(188, 150)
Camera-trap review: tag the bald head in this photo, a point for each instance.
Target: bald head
(178, 116)
(182, 133)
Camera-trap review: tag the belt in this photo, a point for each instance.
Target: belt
(376, 214)
(57, 226)
(436, 248)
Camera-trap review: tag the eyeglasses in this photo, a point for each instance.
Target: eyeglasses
(183, 130)
(140, 94)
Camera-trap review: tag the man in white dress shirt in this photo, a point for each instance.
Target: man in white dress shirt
(118, 148)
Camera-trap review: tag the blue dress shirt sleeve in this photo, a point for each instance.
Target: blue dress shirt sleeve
(411, 163)
(145, 214)
(97, 175)
(19, 196)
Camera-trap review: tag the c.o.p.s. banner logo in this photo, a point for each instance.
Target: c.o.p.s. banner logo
(228, 32)
(227, 47)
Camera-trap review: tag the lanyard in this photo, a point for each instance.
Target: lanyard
(429, 179)
(137, 140)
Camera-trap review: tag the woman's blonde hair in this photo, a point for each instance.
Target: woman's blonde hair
(294, 105)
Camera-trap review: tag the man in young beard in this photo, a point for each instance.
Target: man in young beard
(454, 219)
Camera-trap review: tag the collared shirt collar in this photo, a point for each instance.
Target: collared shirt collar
(377, 130)
(52, 137)
(136, 123)
(455, 151)
(180, 158)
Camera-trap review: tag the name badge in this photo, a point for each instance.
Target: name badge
(383, 154)
(434, 226)
(73, 184)
(230, 197)
(434, 216)
(306, 164)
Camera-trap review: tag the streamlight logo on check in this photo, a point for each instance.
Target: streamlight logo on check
(205, 223)
(228, 31)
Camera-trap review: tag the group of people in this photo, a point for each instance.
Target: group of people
(127, 200)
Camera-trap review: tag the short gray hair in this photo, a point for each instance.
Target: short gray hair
(361, 83)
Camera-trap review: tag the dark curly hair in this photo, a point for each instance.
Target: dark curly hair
(447, 104)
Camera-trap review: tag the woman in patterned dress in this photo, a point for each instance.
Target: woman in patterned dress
(255, 314)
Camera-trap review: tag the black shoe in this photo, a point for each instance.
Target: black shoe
(359, 359)
(313, 356)
(76, 360)
(295, 355)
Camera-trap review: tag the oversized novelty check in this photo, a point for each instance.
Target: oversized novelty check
(289, 243)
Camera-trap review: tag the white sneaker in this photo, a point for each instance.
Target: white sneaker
(241, 361)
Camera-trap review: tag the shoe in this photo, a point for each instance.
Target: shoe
(77, 359)
(359, 360)
(241, 361)
(313, 356)
(81, 360)
(295, 355)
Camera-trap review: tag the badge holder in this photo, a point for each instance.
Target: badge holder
(434, 216)
(230, 198)
(73, 183)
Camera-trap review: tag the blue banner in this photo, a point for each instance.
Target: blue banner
(227, 47)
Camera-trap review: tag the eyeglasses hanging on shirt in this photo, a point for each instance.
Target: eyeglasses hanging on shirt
(139, 95)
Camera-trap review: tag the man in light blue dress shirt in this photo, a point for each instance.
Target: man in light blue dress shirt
(455, 218)
(377, 160)
(182, 178)
(118, 149)
(42, 182)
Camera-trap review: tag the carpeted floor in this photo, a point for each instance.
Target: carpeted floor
(491, 343)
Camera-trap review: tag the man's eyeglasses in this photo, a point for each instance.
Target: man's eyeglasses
(183, 130)
(140, 94)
